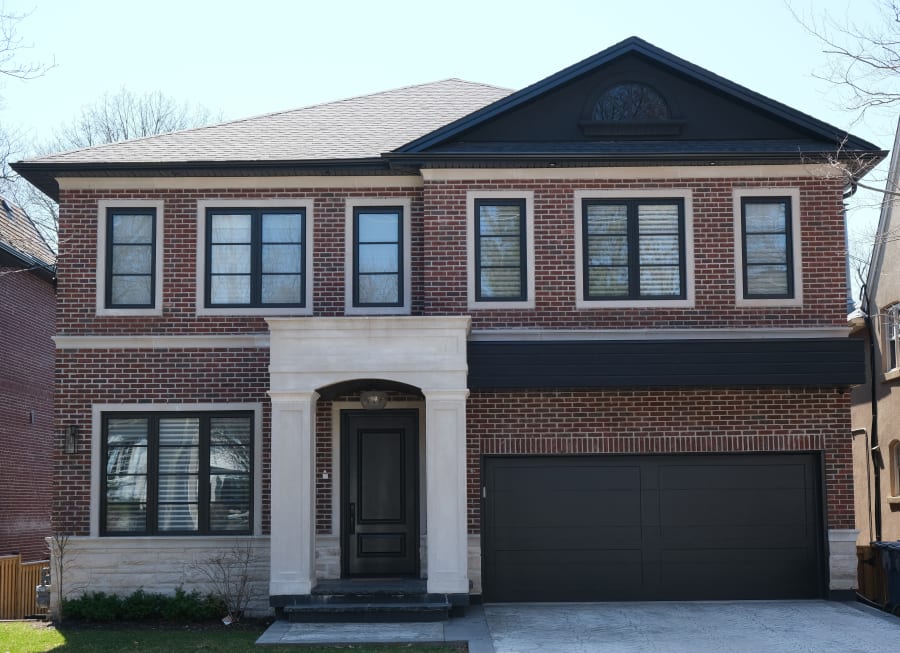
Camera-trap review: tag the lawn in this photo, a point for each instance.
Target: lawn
(38, 637)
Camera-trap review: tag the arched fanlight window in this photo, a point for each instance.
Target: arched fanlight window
(631, 102)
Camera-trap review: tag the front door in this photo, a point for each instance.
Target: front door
(379, 507)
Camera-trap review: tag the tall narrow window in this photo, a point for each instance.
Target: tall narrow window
(633, 249)
(767, 247)
(891, 337)
(500, 270)
(170, 473)
(130, 257)
(255, 257)
(378, 256)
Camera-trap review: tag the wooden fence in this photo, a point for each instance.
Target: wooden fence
(17, 582)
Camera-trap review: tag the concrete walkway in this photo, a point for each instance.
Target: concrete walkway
(695, 627)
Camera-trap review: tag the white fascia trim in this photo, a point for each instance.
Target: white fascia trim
(350, 204)
(633, 172)
(102, 207)
(244, 183)
(528, 196)
(684, 194)
(97, 463)
(520, 335)
(247, 341)
(796, 250)
(203, 205)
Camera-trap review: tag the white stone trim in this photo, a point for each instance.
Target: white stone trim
(842, 559)
(520, 335)
(684, 194)
(796, 246)
(246, 341)
(633, 172)
(309, 246)
(245, 183)
(97, 463)
(101, 265)
(530, 272)
(352, 203)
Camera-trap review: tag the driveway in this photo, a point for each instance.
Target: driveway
(695, 627)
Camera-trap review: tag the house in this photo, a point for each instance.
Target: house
(582, 341)
(27, 313)
(876, 407)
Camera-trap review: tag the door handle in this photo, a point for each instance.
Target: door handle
(351, 519)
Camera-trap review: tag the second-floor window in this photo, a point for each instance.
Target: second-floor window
(633, 249)
(256, 257)
(378, 279)
(500, 250)
(131, 257)
(767, 247)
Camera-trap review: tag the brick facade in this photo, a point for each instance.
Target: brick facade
(26, 412)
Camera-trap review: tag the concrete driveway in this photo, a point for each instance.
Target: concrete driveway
(696, 627)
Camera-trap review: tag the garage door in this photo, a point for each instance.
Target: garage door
(602, 528)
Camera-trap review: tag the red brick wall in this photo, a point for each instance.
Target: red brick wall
(26, 385)
(182, 376)
(665, 421)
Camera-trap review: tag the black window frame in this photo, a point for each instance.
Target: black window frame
(256, 244)
(112, 212)
(401, 271)
(632, 235)
(786, 201)
(522, 203)
(203, 493)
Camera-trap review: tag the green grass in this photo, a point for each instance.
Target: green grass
(37, 637)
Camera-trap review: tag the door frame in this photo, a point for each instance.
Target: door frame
(339, 462)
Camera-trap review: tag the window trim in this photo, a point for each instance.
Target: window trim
(685, 195)
(98, 463)
(796, 267)
(203, 206)
(104, 265)
(351, 206)
(473, 197)
(890, 345)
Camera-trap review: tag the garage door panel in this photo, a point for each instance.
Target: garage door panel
(724, 526)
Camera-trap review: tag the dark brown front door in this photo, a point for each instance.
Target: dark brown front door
(379, 507)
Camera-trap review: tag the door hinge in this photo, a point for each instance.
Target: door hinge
(484, 491)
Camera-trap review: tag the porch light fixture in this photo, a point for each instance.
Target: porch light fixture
(373, 399)
(71, 444)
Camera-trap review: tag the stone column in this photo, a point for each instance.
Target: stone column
(445, 465)
(842, 559)
(293, 530)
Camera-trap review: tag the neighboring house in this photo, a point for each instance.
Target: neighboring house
(27, 315)
(876, 404)
(606, 314)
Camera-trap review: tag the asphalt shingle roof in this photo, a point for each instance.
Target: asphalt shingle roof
(355, 128)
(18, 233)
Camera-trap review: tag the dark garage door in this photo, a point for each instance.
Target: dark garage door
(603, 528)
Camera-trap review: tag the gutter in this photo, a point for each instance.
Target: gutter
(877, 459)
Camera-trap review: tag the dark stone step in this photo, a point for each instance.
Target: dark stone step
(395, 611)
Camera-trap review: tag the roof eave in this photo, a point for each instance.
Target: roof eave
(42, 269)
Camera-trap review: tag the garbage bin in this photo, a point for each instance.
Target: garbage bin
(890, 560)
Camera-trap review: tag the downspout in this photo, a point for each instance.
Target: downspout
(877, 459)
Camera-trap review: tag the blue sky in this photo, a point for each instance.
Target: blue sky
(247, 58)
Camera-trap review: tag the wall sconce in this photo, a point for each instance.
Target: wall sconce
(71, 438)
(373, 399)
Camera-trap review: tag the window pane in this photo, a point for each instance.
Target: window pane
(132, 229)
(500, 283)
(230, 259)
(658, 218)
(126, 474)
(378, 258)
(499, 220)
(178, 460)
(230, 502)
(767, 280)
(125, 459)
(230, 430)
(608, 281)
(661, 281)
(281, 289)
(230, 290)
(228, 228)
(281, 258)
(282, 228)
(126, 518)
(126, 432)
(765, 217)
(126, 489)
(179, 431)
(607, 219)
(229, 459)
(126, 290)
(378, 227)
(607, 250)
(767, 248)
(659, 250)
(500, 251)
(379, 289)
(132, 259)
(177, 489)
(177, 517)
